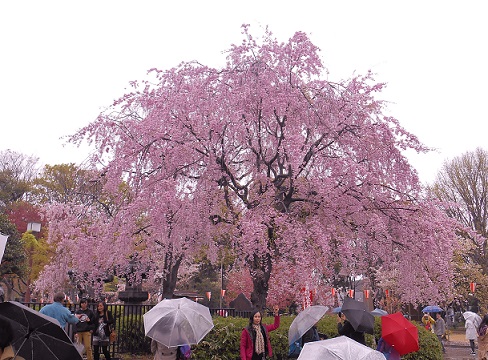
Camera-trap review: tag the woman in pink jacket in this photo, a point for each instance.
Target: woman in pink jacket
(255, 343)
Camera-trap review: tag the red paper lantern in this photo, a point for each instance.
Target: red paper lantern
(350, 293)
(333, 291)
(366, 294)
(222, 292)
(387, 293)
(209, 295)
(472, 287)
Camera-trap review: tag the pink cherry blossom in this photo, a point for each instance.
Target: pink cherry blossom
(302, 177)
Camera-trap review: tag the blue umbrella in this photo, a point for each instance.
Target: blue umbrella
(337, 310)
(379, 312)
(432, 309)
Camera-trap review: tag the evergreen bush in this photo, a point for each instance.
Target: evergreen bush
(222, 343)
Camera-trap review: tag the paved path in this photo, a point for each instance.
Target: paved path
(459, 353)
(459, 350)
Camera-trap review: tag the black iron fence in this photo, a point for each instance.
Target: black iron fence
(129, 325)
(230, 312)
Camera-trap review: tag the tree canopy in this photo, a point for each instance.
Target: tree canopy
(12, 265)
(266, 153)
(462, 185)
(16, 174)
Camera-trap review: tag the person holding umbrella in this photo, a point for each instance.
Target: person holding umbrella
(6, 336)
(470, 333)
(312, 334)
(163, 352)
(428, 321)
(303, 329)
(387, 350)
(37, 336)
(399, 336)
(174, 325)
(344, 327)
(255, 342)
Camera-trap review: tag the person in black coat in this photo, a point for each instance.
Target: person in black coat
(312, 334)
(86, 327)
(103, 321)
(345, 328)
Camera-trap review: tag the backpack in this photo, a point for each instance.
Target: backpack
(294, 349)
(184, 352)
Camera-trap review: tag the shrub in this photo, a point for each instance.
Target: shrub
(223, 342)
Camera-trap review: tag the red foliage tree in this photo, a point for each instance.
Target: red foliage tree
(22, 213)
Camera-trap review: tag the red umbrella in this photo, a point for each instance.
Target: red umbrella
(400, 333)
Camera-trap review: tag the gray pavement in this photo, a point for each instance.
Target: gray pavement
(459, 351)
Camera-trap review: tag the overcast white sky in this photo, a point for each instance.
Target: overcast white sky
(62, 62)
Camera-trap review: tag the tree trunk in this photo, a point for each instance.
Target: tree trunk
(260, 269)
(170, 274)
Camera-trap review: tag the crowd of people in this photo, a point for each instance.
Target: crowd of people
(92, 329)
(475, 332)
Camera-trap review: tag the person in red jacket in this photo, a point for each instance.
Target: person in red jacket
(255, 343)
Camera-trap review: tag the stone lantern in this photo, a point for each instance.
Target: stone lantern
(133, 293)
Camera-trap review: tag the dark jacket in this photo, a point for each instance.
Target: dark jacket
(311, 335)
(108, 319)
(84, 325)
(347, 330)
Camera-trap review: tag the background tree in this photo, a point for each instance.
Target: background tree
(292, 167)
(37, 252)
(463, 184)
(154, 235)
(12, 267)
(64, 183)
(17, 171)
(55, 187)
(21, 213)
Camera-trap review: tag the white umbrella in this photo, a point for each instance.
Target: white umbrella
(475, 318)
(304, 321)
(379, 312)
(338, 348)
(3, 243)
(175, 322)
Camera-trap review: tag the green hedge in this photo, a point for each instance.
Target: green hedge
(222, 343)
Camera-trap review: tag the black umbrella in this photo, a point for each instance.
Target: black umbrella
(357, 314)
(37, 336)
